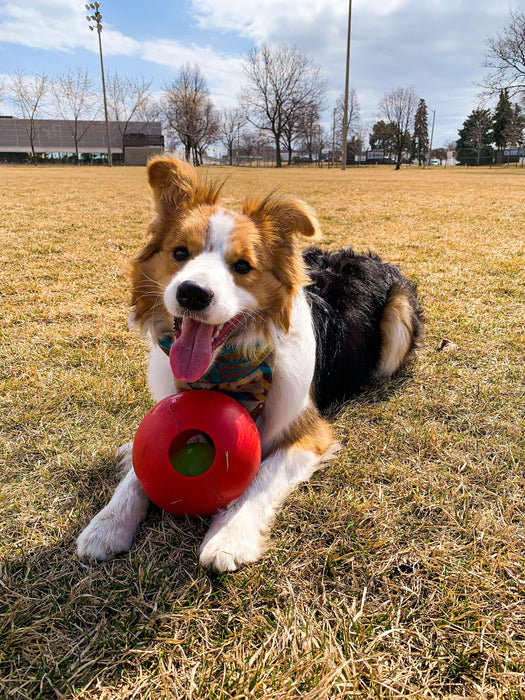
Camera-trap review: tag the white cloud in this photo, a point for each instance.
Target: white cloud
(261, 20)
(57, 25)
(223, 73)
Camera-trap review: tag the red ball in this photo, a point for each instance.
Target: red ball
(164, 432)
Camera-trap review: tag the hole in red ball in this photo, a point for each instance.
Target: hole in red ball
(191, 453)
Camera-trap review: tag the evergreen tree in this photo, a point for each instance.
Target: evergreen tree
(475, 137)
(382, 137)
(514, 133)
(502, 119)
(420, 139)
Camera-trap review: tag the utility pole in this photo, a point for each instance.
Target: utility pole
(333, 139)
(347, 76)
(97, 18)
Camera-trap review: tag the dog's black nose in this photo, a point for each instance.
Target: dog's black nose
(192, 297)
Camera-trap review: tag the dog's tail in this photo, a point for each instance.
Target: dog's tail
(401, 328)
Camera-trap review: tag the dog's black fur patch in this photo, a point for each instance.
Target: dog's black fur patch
(347, 298)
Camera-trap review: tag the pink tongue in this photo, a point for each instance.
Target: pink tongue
(191, 353)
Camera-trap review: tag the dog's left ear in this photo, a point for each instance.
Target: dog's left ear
(285, 216)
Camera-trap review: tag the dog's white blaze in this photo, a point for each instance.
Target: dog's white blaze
(220, 227)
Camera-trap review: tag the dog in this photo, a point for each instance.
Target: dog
(230, 303)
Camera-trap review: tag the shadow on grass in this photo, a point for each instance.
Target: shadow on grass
(64, 624)
(379, 391)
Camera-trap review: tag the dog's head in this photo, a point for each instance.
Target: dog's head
(208, 275)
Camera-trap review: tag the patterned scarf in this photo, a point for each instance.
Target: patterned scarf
(247, 379)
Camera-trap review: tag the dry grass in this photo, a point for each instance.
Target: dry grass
(398, 571)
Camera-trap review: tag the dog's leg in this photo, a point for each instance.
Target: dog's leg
(238, 535)
(112, 530)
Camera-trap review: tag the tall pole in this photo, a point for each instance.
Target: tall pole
(333, 139)
(97, 17)
(108, 138)
(347, 76)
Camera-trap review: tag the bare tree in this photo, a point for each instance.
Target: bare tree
(450, 147)
(76, 103)
(353, 121)
(398, 107)
(357, 143)
(282, 83)
(27, 95)
(310, 132)
(440, 154)
(189, 111)
(129, 99)
(255, 144)
(290, 135)
(231, 122)
(506, 58)
(207, 130)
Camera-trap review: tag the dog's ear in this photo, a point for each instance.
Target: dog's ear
(279, 221)
(285, 216)
(175, 185)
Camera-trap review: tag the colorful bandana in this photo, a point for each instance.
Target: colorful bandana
(247, 379)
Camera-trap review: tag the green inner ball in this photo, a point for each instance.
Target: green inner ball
(193, 459)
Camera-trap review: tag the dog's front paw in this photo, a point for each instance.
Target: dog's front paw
(229, 547)
(104, 537)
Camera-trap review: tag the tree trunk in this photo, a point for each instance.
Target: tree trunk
(399, 156)
(278, 162)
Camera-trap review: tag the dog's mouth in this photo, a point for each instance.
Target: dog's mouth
(195, 342)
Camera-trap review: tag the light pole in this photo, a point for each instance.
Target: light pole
(333, 139)
(97, 18)
(345, 110)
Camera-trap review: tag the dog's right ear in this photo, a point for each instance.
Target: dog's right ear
(175, 185)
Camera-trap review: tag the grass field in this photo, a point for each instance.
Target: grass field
(398, 571)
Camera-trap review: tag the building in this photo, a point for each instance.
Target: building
(62, 141)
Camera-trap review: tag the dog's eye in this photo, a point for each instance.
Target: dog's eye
(181, 253)
(242, 267)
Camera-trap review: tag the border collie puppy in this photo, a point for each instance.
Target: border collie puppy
(230, 304)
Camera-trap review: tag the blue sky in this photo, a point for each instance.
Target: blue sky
(437, 46)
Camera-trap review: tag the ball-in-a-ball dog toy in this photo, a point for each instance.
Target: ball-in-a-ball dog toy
(196, 477)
